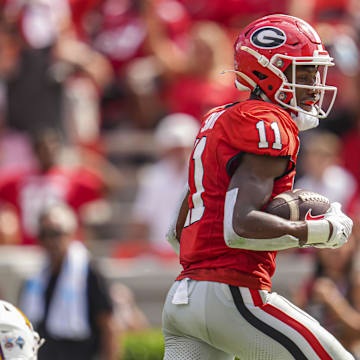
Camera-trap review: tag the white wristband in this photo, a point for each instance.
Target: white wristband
(318, 232)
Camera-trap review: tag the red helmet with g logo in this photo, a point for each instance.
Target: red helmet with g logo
(268, 46)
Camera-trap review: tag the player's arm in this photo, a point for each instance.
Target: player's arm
(247, 227)
(177, 224)
(184, 209)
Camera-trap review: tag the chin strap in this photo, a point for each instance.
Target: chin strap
(304, 121)
(258, 94)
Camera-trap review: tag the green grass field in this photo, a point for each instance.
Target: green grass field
(146, 345)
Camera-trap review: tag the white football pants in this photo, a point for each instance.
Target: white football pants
(205, 320)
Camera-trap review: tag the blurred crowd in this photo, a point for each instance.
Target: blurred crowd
(99, 104)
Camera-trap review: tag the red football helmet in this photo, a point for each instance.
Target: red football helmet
(268, 46)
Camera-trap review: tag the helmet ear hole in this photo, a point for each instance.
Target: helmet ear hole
(260, 75)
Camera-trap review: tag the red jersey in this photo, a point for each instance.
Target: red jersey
(228, 132)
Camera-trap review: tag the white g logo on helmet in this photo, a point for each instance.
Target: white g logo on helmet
(268, 37)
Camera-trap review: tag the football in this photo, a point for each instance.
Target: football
(298, 204)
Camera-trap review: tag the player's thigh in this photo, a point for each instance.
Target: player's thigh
(186, 348)
(184, 326)
(211, 317)
(312, 334)
(280, 330)
(233, 331)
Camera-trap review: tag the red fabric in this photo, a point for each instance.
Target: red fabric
(121, 38)
(330, 11)
(196, 96)
(350, 157)
(256, 297)
(353, 207)
(79, 10)
(202, 243)
(123, 29)
(232, 11)
(351, 153)
(30, 192)
(174, 18)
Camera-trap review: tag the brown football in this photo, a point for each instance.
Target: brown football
(298, 204)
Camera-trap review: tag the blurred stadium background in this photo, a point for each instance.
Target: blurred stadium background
(88, 93)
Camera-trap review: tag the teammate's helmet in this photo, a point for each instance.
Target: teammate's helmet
(18, 340)
(268, 46)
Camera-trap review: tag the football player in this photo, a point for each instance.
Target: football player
(245, 154)
(18, 340)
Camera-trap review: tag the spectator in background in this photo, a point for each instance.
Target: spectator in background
(336, 21)
(234, 13)
(322, 172)
(350, 157)
(160, 187)
(85, 16)
(350, 154)
(29, 192)
(120, 33)
(68, 301)
(332, 294)
(128, 317)
(342, 41)
(191, 62)
(18, 340)
(331, 11)
(49, 73)
(10, 233)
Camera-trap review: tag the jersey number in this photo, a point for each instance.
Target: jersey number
(197, 211)
(263, 143)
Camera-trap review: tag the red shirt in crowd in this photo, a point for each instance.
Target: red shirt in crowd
(196, 96)
(31, 192)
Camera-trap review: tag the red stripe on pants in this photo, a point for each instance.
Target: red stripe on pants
(300, 328)
(256, 297)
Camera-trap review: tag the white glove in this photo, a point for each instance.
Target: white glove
(342, 226)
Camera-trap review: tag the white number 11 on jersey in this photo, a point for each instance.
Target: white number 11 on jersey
(263, 143)
(198, 209)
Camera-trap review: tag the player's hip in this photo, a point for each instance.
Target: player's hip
(246, 322)
(250, 277)
(206, 310)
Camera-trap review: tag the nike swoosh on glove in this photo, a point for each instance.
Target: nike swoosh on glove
(342, 226)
